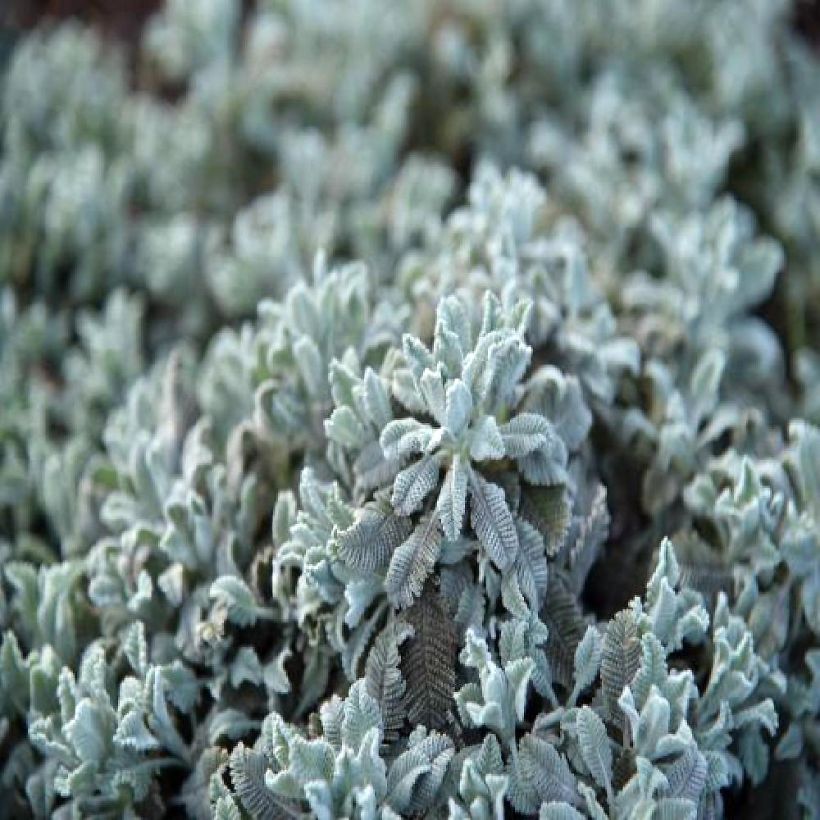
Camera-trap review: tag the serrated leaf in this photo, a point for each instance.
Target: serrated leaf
(226, 809)
(432, 389)
(542, 775)
(89, 731)
(248, 777)
(452, 500)
(384, 680)
(413, 562)
(368, 544)
(531, 564)
(549, 511)
(566, 626)
(620, 660)
(492, 521)
(344, 428)
(587, 658)
(132, 733)
(376, 399)
(485, 440)
(525, 433)
(405, 437)
(429, 660)
(595, 748)
(413, 484)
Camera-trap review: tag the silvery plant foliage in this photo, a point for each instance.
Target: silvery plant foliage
(411, 410)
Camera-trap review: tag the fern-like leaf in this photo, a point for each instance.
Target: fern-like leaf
(413, 484)
(595, 748)
(248, 778)
(549, 511)
(592, 534)
(559, 811)
(429, 660)
(226, 809)
(621, 656)
(413, 562)
(687, 775)
(384, 679)
(452, 500)
(371, 540)
(531, 564)
(541, 775)
(566, 627)
(492, 521)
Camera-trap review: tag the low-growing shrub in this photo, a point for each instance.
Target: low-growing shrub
(409, 409)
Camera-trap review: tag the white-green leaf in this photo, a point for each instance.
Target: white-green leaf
(587, 658)
(559, 811)
(412, 562)
(492, 521)
(233, 593)
(524, 433)
(485, 440)
(432, 388)
(452, 500)
(413, 484)
(459, 407)
(405, 437)
(372, 538)
(595, 748)
(344, 428)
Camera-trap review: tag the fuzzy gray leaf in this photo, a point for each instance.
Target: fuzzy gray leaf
(621, 657)
(384, 680)
(595, 747)
(413, 561)
(372, 539)
(413, 484)
(452, 500)
(531, 564)
(492, 521)
(542, 775)
(248, 777)
(524, 433)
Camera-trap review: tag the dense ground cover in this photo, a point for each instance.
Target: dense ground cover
(411, 413)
